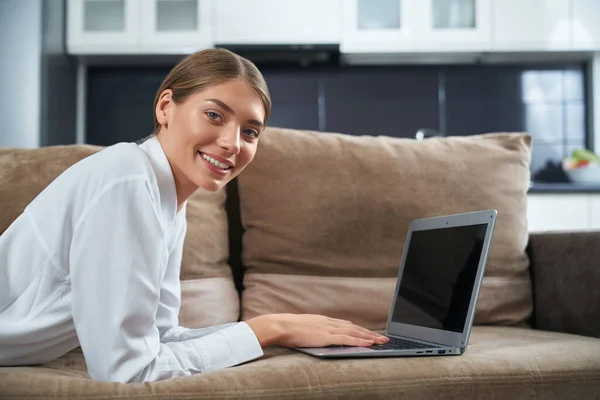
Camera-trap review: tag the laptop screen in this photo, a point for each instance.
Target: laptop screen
(438, 278)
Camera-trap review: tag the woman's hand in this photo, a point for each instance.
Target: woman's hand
(309, 330)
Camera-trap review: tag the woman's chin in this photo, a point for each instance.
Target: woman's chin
(212, 185)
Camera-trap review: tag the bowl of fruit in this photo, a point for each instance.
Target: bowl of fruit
(582, 166)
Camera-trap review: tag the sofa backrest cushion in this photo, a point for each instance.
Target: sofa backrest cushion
(208, 293)
(326, 216)
(208, 296)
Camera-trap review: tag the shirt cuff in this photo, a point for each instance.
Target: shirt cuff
(181, 334)
(227, 347)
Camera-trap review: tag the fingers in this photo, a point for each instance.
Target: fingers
(353, 332)
(361, 334)
(347, 340)
(346, 323)
(340, 321)
(311, 330)
(349, 328)
(366, 331)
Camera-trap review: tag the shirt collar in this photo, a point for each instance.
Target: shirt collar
(164, 178)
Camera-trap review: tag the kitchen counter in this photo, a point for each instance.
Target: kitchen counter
(563, 187)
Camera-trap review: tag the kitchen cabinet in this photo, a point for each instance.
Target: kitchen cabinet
(531, 25)
(585, 17)
(595, 211)
(388, 26)
(454, 25)
(432, 30)
(563, 212)
(378, 26)
(175, 26)
(274, 22)
(102, 26)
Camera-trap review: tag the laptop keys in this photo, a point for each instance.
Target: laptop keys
(399, 344)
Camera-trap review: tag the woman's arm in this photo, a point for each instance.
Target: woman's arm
(116, 260)
(277, 329)
(169, 305)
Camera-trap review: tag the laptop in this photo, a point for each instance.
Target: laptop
(436, 292)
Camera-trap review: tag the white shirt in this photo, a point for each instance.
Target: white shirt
(94, 261)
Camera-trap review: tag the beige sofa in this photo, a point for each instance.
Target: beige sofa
(317, 224)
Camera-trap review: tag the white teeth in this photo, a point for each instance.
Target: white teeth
(214, 162)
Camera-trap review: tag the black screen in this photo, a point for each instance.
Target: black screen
(438, 278)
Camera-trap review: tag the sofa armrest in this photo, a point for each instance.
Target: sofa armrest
(565, 273)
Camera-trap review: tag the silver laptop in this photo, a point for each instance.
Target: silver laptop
(436, 292)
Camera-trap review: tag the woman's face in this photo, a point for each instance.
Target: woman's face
(210, 137)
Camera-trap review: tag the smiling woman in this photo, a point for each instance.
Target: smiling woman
(94, 260)
(209, 141)
(209, 112)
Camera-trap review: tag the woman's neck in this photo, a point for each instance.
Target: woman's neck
(184, 187)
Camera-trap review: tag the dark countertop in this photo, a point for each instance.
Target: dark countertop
(563, 187)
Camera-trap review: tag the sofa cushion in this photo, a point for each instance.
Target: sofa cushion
(208, 293)
(327, 213)
(566, 278)
(24, 173)
(208, 296)
(326, 216)
(500, 363)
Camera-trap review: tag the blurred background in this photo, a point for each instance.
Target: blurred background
(87, 71)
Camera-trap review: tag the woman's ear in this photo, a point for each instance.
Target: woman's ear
(163, 107)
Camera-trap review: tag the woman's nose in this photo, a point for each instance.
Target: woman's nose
(230, 140)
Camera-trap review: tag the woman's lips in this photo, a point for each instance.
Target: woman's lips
(220, 159)
(212, 167)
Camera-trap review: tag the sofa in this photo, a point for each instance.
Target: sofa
(316, 224)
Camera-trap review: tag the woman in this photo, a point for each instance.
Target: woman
(94, 260)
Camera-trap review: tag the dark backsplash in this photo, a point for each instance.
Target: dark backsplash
(549, 101)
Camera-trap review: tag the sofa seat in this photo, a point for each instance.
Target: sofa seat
(500, 363)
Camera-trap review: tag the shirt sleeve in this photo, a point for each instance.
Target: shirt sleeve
(116, 263)
(167, 316)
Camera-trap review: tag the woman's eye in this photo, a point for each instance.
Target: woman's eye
(251, 132)
(213, 115)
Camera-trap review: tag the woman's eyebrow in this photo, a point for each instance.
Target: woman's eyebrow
(256, 123)
(222, 105)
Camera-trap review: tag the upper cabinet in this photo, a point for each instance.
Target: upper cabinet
(380, 26)
(538, 25)
(138, 26)
(102, 26)
(546, 25)
(364, 29)
(459, 26)
(175, 26)
(376, 26)
(244, 22)
(454, 25)
(585, 24)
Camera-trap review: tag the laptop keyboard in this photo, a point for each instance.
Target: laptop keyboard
(398, 344)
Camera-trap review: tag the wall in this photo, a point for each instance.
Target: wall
(547, 100)
(59, 79)
(38, 80)
(20, 72)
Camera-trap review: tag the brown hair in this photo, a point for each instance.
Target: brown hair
(210, 67)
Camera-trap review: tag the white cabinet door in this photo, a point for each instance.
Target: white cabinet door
(595, 211)
(379, 26)
(558, 212)
(102, 26)
(454, 25)
(175, 26)
(277, 21)
(531, 25)
(585, 24)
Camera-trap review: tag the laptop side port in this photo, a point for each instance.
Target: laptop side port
(441, 351)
